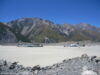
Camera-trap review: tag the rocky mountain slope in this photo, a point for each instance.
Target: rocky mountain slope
(6, 34)
(84, 65)
(39, 30)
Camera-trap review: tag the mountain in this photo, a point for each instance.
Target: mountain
(6, 34)
(40, 30)
(36, 30)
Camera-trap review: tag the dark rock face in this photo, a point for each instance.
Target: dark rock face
(83, 65)
(6, 35)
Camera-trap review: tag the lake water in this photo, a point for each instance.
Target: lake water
(44, 56)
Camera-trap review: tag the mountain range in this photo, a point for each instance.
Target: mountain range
(39, 31)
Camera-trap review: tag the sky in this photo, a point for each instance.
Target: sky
(58, 11)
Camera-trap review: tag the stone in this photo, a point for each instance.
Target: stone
(84, 56)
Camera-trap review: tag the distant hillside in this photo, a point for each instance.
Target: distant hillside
(39, 30)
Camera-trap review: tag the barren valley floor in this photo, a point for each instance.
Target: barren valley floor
(44, 56)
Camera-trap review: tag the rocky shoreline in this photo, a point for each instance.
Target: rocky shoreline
(84, 65)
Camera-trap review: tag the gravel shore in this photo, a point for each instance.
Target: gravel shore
(84, 65)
